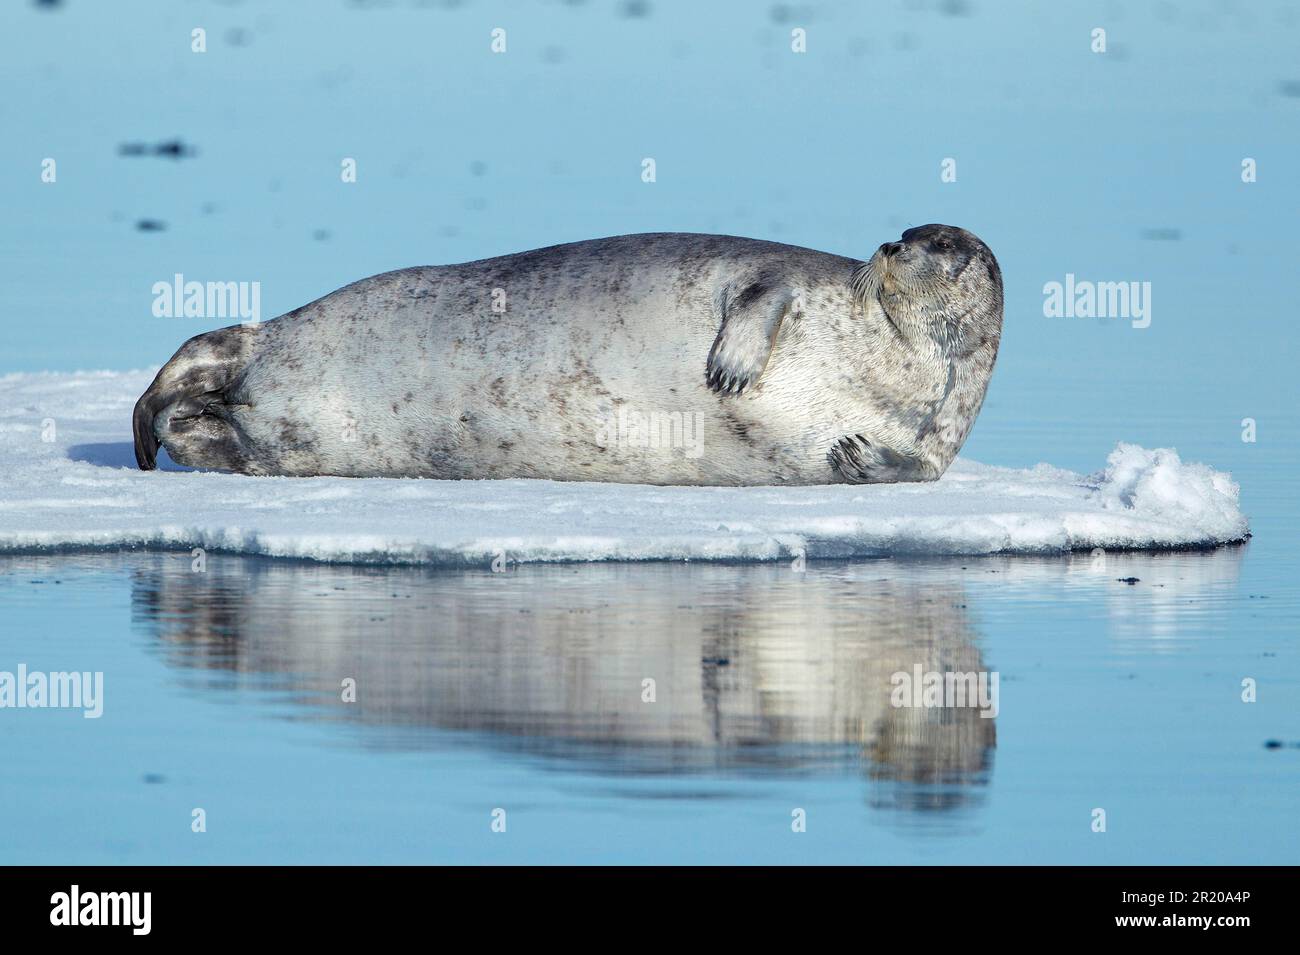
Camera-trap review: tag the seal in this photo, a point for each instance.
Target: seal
(665, 358)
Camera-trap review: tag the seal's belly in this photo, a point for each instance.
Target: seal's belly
(567, 383)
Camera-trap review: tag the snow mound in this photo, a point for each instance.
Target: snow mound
(68, 481)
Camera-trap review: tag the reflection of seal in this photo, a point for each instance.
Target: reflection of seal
(667, 358)
(781, 672)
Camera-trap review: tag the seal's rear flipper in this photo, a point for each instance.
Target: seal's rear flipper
(146, 444)
(182, 409)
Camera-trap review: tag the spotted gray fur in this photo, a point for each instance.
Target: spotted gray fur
(800, 367)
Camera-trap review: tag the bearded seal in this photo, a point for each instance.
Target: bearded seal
(665, 358)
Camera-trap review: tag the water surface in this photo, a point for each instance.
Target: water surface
(524, 691)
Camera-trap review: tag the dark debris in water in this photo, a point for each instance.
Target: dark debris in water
(634, 9)
(168, 149)
(150, 225)
(1289, 88)
(783, 13)
(1163, 235)
(1278, 744)
(1128, 580)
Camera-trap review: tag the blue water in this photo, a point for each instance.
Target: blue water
(522, 692)
(478, 692)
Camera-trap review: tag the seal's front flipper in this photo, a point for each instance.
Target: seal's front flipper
(750, 323)
(860, 461)
(186, 408)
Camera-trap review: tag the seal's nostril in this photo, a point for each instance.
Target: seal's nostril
(891, 248)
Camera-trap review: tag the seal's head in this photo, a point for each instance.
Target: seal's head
(937, 281)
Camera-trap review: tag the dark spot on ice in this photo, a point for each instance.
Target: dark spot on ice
(1128, 580)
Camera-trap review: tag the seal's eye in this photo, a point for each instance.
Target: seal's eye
(943, 244)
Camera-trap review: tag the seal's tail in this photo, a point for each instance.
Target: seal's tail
(146, 442)
(181, 410)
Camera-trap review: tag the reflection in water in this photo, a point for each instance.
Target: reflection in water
(764, 678)
(753, 668)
